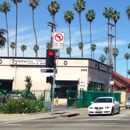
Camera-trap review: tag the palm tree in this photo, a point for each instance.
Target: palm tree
(16, 3)
(108, 14)
(12, 45)
(36, 48)
(2, 38)
(102, 58)
(115, 17)
(93, 48)
(129, 45)
(48, 45)
(69, 50)
(23, 48)
(90, 16)
(106, 50)
(81, 45)
(5, 8)
(128, 12)
(127, 56)
(115, 54)
(34, 4)
(128, 72)
(79, 7)
(69, 16)
(53, 8)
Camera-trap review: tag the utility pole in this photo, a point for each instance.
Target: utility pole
(52, 25)
(110, 45)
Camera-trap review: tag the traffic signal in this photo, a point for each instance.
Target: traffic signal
(49, 80)
(50, 58)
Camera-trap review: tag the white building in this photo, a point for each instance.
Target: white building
(72, 74)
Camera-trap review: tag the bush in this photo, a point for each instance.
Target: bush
(22, 106)
(75, 104)
(3, 99)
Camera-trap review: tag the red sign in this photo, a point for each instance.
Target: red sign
(58, 37)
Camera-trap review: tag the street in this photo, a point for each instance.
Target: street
(81, 122)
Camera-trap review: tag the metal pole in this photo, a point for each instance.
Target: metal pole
(53, 92)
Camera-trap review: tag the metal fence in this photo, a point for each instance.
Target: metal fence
(84, 98)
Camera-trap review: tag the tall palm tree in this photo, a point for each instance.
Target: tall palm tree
(108, 14)
(23, 48)
(128, 12)
(34, 4)
(79, 7)
(16, 3)
(90, 16)
(69, 50)
(81, 45)
(69, 16)
(53, 8)
(115, 54)
(115, 17)
(2, 38)
(36, 48)
(93, 48)
(102, 58)
(5, 8)
(106, 50)
(127, 56)
(12, 45)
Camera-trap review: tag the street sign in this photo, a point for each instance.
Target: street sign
(58, 41)
(111, 82)
(47, 70)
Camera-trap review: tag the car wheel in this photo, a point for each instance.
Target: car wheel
(112, 111)
(126, 107)
(118, 111)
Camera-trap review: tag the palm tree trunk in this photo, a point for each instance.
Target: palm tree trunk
(69, 37)
(53, 18)
(115, 45)
(81, 31)
(90, 40)
(108, 44)
(34, 30)
(127, 67)
(7, 35)
(16, 29)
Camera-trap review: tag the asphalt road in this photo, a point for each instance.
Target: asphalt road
(84, 122)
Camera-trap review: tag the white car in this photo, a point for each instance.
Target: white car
(104, 105)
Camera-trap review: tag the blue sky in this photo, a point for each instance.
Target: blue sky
(42, 17)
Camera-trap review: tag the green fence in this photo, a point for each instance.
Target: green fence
(84, 98)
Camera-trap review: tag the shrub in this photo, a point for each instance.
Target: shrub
(22, 106)
(75, 104)
(3, 99)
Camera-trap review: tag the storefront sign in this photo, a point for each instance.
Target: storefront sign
(27, 62)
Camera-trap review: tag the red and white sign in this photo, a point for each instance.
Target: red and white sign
(58, 40)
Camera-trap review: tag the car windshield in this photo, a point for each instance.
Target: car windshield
(128, 98)
(103, 100)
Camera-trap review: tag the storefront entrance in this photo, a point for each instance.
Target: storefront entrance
(63, 86)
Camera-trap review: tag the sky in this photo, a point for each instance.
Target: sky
(42, 17)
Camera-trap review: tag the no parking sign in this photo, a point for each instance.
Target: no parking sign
(58, 40)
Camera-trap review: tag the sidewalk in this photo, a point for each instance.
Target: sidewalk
(61, 112)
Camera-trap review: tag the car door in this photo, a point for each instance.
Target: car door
(116, 103)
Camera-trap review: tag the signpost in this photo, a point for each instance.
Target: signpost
(58, 41)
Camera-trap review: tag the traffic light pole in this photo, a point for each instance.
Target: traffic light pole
(53, 92)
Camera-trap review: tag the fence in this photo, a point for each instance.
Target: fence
(84, 98)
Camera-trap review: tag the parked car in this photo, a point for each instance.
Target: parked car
(127, 103)
(14, 94)
(104, 105)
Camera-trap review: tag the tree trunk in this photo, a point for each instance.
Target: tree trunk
(16, 29)
(81, 31)
(34, 30)
(7, 35)
(90, 40)
(69, 37)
